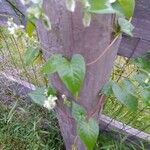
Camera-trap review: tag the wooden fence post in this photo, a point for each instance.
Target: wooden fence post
(69, 36)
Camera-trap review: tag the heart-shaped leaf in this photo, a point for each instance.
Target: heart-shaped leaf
(88, 131)
(125, 26)
(101, 7)
(129, 86)
(118, 9)
(128, 7)
(53, 64)
(38, 96)
(107, 88)
(125, 97)
(72, 73)
(78, 112)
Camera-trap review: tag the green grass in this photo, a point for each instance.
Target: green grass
(29, 127)
(113, 108)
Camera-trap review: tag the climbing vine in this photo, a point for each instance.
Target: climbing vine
(72, 71)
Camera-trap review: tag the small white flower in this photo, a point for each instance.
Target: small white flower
(112, 1)
(64, 96)
(24, 2)
(21, 26)
(52, 98)
(13, 28)
(50, 103)
(146, 81)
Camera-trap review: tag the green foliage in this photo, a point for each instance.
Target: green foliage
(38, 96)
(78, 112)
(34, 13)
(87, 128)
(123, 93)
(125, 26)
(88, 131)
(30, 27)
(125, 97)
(71, 72)
(143, 63)
(86, 19)
(30, 127)
(31, 55)
(143, 78)
(53, 64)
(128, 7)
(102, 7)
(107, 88)
(46, 22)
(128, 91)
(123, 8)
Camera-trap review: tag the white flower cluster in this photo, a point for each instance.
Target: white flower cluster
(147, 79)
(112, 1)
(24, 2)
(12, 27)
(50, 102)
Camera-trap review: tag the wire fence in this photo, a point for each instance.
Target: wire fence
(12, 67)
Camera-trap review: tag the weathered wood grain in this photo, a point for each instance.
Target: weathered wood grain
(140, 43)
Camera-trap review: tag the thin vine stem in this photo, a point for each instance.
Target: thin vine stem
(104, 52)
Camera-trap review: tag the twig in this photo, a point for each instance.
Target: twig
(102, 54)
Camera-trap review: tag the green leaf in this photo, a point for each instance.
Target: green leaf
(129, 86)
(102, 7)
(30, 55)
(46, 22)
(146, 96)
(86, 19)
(72, 73)
(53, 64)
(125, 26)
(38, 96)
(30, 27)
(128, 7)
(143, 63)
(51, 91)
(118, 9)
(88, 131)
(141, 78)
(107, 88)
(78, 112)
(124, 97)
